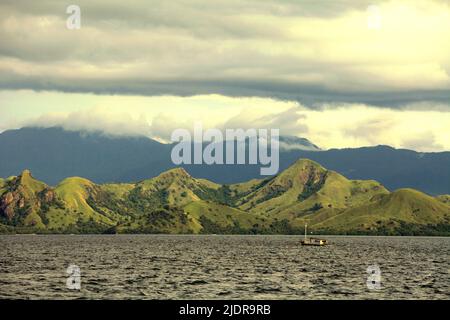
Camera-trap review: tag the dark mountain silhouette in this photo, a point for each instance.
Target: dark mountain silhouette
(53, 154)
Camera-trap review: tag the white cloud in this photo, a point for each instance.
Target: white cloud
(96, 119)
(329, 126)
(425, 140)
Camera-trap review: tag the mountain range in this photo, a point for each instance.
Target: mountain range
(176, 202)
(53, 154)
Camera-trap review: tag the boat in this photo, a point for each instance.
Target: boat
(313, 241)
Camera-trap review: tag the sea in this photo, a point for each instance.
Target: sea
(225, 267)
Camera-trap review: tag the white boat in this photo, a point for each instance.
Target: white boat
(313, 241)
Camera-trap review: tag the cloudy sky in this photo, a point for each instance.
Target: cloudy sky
(342, 73)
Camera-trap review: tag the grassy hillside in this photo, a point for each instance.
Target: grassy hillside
(390, 213)
(74, 192)
(218, 218)
(307, 187)
(77, 194)
(445, 198)
(175, 202)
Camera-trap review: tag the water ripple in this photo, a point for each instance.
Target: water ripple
(218, 267)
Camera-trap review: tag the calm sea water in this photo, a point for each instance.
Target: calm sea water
(222, 267)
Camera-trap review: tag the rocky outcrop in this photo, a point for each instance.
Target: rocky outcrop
(25, 194)
(11, 203)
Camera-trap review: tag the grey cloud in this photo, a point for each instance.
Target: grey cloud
(182, 48)
(142, 9)
(309, 96)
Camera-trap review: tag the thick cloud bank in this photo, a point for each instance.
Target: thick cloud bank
(307, 51)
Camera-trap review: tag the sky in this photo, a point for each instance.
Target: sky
(341, 73)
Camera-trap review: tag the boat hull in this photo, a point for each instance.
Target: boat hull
(314, 242)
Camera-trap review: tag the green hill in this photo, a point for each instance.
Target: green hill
(175, 202)
(399, 212)
(77, 194)
(307, 187)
